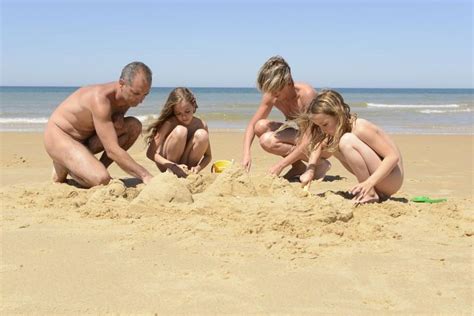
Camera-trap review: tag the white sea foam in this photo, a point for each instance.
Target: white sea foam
(381, 105)
(444, 111)
(23, 120)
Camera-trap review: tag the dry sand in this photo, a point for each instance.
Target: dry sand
(236, 243)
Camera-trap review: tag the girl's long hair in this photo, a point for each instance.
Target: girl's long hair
(175, 97)
(331, 103)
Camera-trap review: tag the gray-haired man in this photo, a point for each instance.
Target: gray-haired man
(92, 120)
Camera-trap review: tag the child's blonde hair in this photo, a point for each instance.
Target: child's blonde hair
(331, 103)
(274, 75)
(175, 97)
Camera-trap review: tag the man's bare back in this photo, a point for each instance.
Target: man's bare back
(92, 120)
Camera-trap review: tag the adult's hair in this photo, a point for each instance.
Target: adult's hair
(131, 70)
(331, 103)
(175, 97)
(274, 74)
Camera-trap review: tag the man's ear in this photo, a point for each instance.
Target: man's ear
(121, 82)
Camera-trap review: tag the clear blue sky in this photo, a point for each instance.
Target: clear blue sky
(412, 44)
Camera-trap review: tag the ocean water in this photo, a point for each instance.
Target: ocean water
(398, 111)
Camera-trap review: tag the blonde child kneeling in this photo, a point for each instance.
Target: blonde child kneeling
(178, 141)
(363, 148)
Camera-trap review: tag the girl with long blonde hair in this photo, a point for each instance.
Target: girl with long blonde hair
(177, 140)
(363, 148)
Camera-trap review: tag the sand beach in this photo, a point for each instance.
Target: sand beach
(236, 243)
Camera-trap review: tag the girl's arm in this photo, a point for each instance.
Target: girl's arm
(308, 175)
(298, 153)
(156, 145)
(384, 146)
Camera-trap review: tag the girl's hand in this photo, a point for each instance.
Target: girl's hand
(307, 177)
(362, 188)
(364, 192)
(196, 169)
(180, 170)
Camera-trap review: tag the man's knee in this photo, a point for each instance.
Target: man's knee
(100, 178)
(261, 127)
(201, 136)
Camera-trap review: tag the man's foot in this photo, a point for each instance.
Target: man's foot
(297, 169)
(59, 173)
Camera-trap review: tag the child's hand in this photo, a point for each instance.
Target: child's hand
(180, 170)
(196, 169)
(364, 192)
(246, 163)
(362, 189)
(276, 169)
(307, 177)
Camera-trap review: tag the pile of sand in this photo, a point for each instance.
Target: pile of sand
(270, 210)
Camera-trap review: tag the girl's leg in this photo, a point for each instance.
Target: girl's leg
(173, 147)
(196, 148)
(362, 161)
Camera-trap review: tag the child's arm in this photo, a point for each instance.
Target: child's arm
(298, 153)
(381, 143)
(308, 175)
(262, 112)
(156, 144)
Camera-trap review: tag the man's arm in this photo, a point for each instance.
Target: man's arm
(262, 112)
(104, 127)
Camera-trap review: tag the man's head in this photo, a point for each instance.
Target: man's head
(135, 82)
(274, 75)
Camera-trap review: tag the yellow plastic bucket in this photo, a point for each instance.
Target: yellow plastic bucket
(219, 165)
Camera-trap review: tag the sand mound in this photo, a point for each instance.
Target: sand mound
(234, 181)
(276, 214)
(163, 189)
